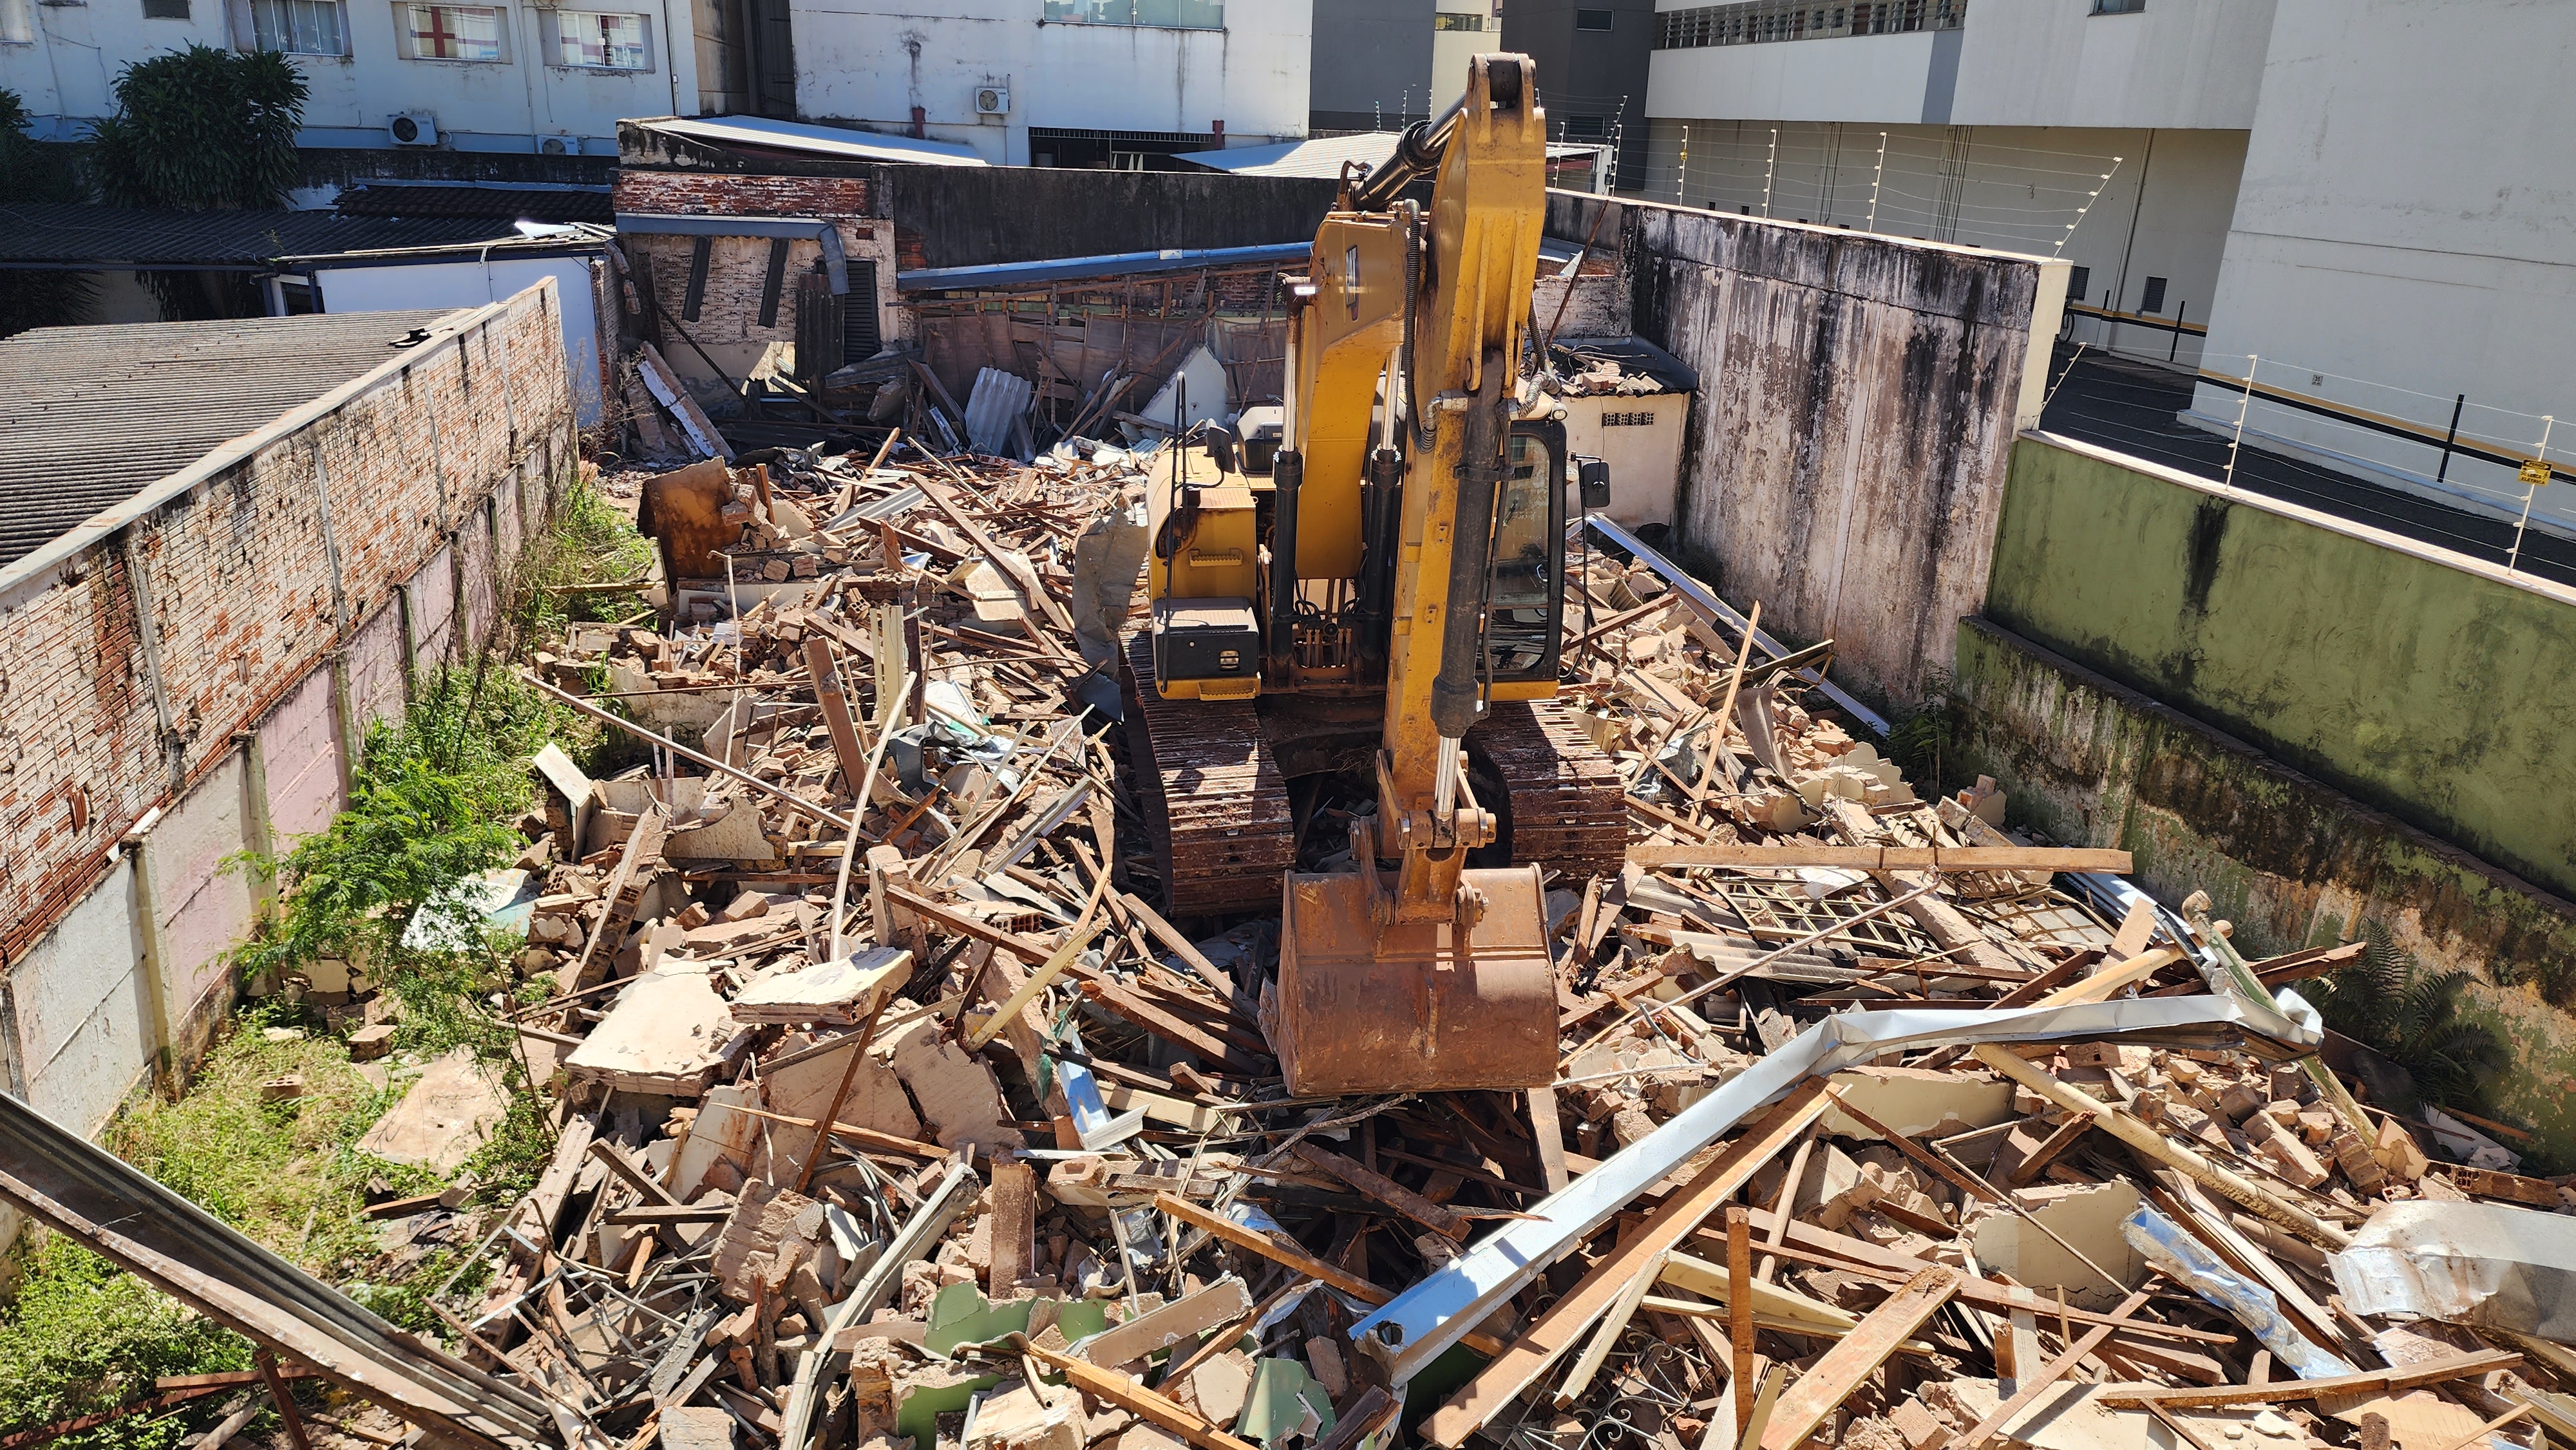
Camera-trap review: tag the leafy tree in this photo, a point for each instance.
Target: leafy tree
(202, 129)
(2388, 1001)
(31, 171)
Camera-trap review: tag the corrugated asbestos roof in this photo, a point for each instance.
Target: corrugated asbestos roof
(90, 416)
(107, 237)
(1322, 156)
(498, 202)
(757, 133)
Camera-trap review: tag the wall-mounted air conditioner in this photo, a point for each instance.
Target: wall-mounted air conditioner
(413, 128)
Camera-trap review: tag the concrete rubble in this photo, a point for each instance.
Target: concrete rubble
(892, 1108)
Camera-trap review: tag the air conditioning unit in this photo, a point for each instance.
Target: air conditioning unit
(413, 128)
(557, 145)
(992, 100)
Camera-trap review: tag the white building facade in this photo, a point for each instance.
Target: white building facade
(2373, 196)
(1107, 83)
(497, 76)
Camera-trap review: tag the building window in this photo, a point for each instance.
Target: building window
(587, 40)
(1586, 128)
(2119, 7)
(1454, 20)
(1592, 20)
(16, 28)
(1751, 21)
(2079, 283)
(1166, 14)
(165, 9)
(297, 27)
(1075, 150)
(453, 32)
(2154, 301)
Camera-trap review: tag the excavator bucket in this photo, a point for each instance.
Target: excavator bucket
(1414, 1006)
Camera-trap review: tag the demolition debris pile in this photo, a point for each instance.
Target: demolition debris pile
(892, 1107)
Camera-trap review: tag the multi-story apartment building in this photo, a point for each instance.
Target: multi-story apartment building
(1120, 83)
(2369, 195)
(1025, 82)
(502, 77)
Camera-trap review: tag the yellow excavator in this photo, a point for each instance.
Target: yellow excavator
(1370, 583)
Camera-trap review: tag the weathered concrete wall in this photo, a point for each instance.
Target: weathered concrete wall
(130, 772)
(1858, 398)
(2286, 857)
(2431, 686)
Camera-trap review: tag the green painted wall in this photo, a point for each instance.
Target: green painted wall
(2440, 694)
(2291, 861)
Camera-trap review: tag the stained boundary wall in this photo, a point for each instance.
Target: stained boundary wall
(189, 675)
(1845, 459)
(2320, 724)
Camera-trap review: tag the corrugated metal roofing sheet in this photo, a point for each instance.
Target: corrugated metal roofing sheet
(90, 416)
(108, 237)
(759, 133)
(499, 202)
(1322, 156)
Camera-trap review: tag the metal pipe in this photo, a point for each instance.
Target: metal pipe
(1287, 474)
(1456, 693)
(1417, 155)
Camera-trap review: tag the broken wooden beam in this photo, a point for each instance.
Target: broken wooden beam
(1857, 1355)
(1886, 858)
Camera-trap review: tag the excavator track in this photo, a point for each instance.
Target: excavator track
(1563, 806)
(1214, 799)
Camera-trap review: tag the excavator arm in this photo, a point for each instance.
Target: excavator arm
(1439, 977)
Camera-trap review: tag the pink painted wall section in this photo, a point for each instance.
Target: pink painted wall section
(474, 546)
(203, 905)
(299, 751)
(374, 662)
(508, 526)
(433, 613)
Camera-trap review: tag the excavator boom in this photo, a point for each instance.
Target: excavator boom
(1435, 976)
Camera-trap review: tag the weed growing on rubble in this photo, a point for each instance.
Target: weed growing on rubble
(85, 1336)
(589, 541)
(2390, 1002)
(429, 805)
(1920, 740)
(284, 1172)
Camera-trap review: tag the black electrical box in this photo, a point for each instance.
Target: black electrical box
(1261, 430)
(1205, 639)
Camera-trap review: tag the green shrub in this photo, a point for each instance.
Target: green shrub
(2391, 1003)
(85, 1336)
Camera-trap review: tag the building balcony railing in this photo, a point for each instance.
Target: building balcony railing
(1750, 22)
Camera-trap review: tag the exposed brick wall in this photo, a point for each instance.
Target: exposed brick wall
(738, 267)
(698, 193)
(251, 581)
